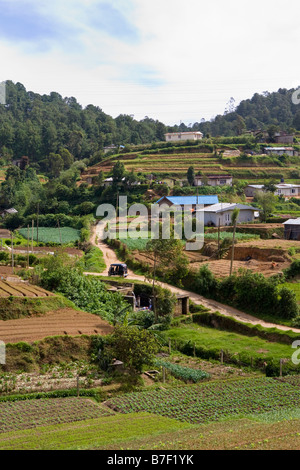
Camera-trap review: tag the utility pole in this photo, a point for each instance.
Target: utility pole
(32, 236)
(219, 238)
(37, 222)
(12, 250)
(28, 246)
(153, 288)
(59, 231)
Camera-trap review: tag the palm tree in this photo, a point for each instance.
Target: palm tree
(234, 218)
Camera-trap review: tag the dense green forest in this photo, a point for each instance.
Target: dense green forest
(259, 112)
(41, 126)
(53, 131)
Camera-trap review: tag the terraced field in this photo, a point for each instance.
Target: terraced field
(177, 164)
(66, 321)
(20, 289)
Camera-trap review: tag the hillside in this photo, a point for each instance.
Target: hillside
(211, 156)
(44, 127)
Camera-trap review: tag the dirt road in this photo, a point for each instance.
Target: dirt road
(111, 257)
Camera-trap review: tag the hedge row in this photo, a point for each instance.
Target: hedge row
(94, 393)
(216, 320)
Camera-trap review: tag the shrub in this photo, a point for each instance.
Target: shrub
(293, 270)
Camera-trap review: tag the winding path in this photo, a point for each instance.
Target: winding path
(110, 257)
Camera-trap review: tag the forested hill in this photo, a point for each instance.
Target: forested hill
(39, 125)
(259, 112)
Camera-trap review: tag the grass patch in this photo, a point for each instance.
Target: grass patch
(93, 260)
(233, 343)
(294, 286)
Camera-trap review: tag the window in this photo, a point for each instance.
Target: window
(222, 181)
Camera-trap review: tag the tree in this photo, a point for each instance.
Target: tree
(55, 164)
(191, 175)
(270, 186)
(67, 158)
(135, 347)
(118, 172)
(267, 202)
(169, 262)
(234, 219)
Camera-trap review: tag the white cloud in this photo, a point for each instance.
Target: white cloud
(186, 61)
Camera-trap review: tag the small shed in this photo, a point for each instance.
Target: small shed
(182, 306)
(292, 229)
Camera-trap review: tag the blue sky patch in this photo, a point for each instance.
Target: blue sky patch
(110, 20)
(20, 21)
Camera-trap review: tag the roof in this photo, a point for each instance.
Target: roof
(227, 206)
(292, 222)
(279, 148)
(213, 176)
(277, 186)
(184, 133)
(190, 200)
(11, 211)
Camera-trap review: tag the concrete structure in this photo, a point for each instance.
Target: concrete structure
(282, 189)
(292, 229)
(282, 138)
(221, 214)
(188, 200)
(280, 151)
(213, 180)
(179, 136)
(182, 306)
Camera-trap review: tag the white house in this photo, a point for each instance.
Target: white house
(179, 136)
(282, 189)
(221, 214)
(214, 180)
(280, 151)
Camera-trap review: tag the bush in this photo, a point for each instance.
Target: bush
(293, 270)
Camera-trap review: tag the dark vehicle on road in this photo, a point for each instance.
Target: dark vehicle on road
(118, 269)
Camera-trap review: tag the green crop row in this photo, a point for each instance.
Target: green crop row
(184, 373)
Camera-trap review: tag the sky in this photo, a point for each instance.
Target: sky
(169, 60)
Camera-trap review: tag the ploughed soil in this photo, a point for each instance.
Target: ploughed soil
(221, 268)
(61, 322)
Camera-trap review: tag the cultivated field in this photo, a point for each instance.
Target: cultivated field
(52, 235)
(212, 401)
(176, 165)
(60, 322)
(21, 289)
(32, 413)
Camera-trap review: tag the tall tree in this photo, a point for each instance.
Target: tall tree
(191, 175)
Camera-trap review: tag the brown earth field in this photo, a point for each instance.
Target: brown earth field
(262, 252)
(61, 322)
(221, 268)
(22, 289)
